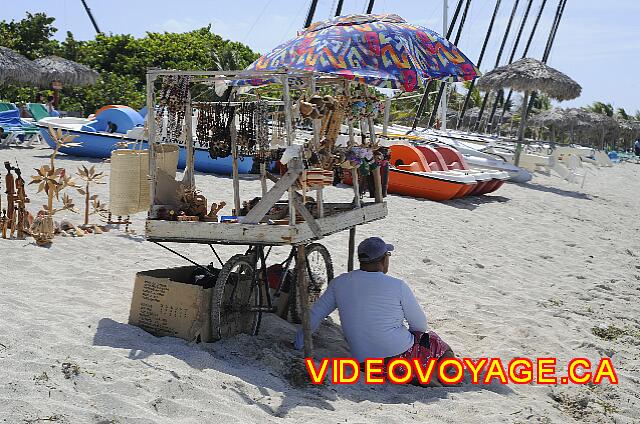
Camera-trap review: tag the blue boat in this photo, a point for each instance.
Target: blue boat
(112, 126)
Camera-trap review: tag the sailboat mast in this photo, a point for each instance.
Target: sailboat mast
(533, 30)
(93, 21)
(554, 31)
(425, 96)
(370, 6)
(524, 54)
(482, 51)
(498, 58)
(312, 11)
(339, 8)
(511, 57)
(552, 37)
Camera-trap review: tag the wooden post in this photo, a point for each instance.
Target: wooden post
(317, 123)
(351, 143)
(263, 178)
(387, 112)
(234, 164)
(320, 203)
(356, 187)
(303, 291)
(189, 177)
(286, 97)
(352, 247)
(151, 125)
(377, 178)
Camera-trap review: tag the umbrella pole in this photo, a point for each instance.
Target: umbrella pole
(387, 112)
(523, 123)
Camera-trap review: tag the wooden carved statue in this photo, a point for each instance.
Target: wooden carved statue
(11, 193)
(212, 216)
(3, 218)
(21, 201)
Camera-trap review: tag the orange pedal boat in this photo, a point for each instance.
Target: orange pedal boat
(442, 157)
(410, 175)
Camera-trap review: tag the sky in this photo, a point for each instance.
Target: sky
(597, 44)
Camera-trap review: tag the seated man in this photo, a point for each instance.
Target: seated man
(373, 307)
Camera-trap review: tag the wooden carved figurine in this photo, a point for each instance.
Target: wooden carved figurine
(10, 224)
(11, 194)
(21, 201)
(3, 217)
(193, 203)
(3, 223)
(212, 216)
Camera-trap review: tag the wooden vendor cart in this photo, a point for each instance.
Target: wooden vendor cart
(244, 287)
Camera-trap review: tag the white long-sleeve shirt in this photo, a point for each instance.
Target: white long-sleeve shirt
(373, 307)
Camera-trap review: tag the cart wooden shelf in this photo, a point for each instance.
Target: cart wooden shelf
(266, 234)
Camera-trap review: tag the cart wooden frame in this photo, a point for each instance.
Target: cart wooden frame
(329, 218)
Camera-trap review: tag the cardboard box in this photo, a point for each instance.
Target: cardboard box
(166, 302)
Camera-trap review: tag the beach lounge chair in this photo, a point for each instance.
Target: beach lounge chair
(14, 127)
(570, 169)
(38, 111)
(4, 106)
(603, 159)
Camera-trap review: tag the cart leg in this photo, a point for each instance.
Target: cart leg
(264, 278)
(352, 246)
(377, 184)
(301, 264)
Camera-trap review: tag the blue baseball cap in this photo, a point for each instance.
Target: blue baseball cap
(373, 249)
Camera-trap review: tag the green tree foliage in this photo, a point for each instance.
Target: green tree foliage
(476, 99)
(121, 59)
(541, 102)
(622, 114)
(30, 36)
(601, 108)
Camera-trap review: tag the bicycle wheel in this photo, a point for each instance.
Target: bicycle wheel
(234, 297)
(319, 274)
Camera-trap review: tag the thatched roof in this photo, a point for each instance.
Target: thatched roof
(66, 71)
(595, 119)
(17, 69)
(531, 75)
(628, 125)
(554, 117)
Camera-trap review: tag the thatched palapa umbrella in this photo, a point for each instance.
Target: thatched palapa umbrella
(17, 69)
(603, 122)
(555, 119)
(530, 75)
(57, 71)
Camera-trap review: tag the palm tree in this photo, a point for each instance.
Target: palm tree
(622, 114)
(601, 108)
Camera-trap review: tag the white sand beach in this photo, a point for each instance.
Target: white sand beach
(528, 271)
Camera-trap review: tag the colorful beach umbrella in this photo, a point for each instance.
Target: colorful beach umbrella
(378, 50)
